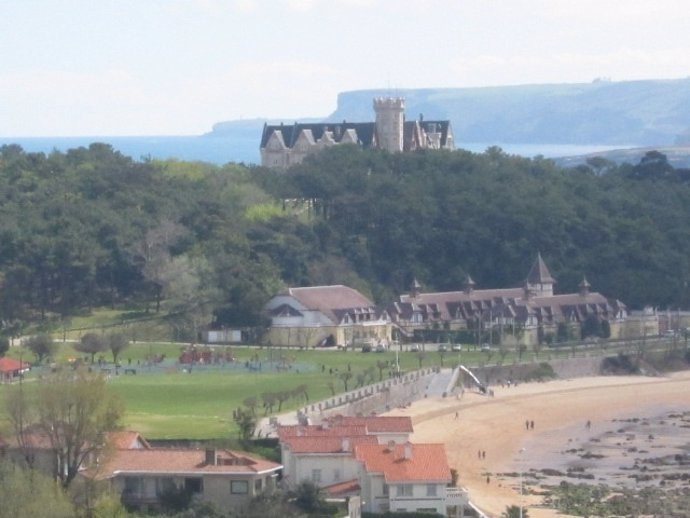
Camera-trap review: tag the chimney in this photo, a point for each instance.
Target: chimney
(391, 446)
(345, 444)
(407, 451)
(211, 459)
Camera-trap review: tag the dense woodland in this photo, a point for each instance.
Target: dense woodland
(93, 228)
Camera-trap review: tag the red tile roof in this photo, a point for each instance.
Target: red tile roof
(183, 461)
(34, 437)
(375, 424)
(326, 444)
(320, 430)
(9, 365)
(127, 440)
(342, 488)
(425, 462)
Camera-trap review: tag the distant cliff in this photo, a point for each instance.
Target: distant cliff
(639, 113)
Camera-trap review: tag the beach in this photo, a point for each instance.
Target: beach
(491, 441)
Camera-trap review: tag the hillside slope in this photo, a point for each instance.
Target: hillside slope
(629, 113)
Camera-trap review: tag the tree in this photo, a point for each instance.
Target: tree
(268, 400)
(251, 403)
(308, 497)
(42, 346)
(246, 423)
(74, 410)
(514, 511)
(282, 397)
(421, 355)
(28, 493)
(345, 377)
(152, 255)
(381, 365)
(117, 342)
(591, 326)
(4, 345)
(91, 343)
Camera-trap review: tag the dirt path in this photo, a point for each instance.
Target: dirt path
(497, 426)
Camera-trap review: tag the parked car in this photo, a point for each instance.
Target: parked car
(380, 348)
(485, 347)
(442, 348)
(456, 348)
(415, 348)
(366, 348)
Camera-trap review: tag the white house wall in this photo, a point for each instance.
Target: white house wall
(419, 499)
(302, 467)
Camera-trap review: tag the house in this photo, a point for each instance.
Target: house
(407, 477)
(223, 477)
(285, 145)
(35, 448)
(323, 453)
(325, 315)
(524, 314)
(11, 369)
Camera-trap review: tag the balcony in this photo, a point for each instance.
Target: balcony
(456, 496)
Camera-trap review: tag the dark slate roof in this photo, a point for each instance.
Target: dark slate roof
(540, 274)
(441, 127)
(365, 131)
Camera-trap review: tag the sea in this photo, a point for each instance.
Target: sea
(222, 150)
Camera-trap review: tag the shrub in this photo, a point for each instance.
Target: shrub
(541, 372)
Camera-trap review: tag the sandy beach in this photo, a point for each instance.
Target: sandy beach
(560, 409)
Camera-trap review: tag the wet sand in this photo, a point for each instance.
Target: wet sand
(560, 410)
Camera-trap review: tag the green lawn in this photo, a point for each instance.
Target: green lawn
(165, 403)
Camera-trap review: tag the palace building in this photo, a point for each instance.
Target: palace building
(285, 145)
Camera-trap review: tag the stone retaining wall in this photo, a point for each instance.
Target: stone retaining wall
(376, 398)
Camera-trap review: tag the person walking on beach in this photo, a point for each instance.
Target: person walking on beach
(531, 425)
(527, 425)
(588, 425)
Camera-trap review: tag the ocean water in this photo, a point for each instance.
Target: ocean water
(216, 150)
(222, 150)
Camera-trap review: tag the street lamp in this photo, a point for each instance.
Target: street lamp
(522, 494)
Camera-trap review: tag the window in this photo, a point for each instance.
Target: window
(336, 474)
(385, 490)
(258, 484)
(404, 490)
(194, 485)
(133, 485)
(239, 487)
(316, 476)
(164, 485)
(431, 490)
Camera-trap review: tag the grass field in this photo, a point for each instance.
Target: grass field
(164, 402)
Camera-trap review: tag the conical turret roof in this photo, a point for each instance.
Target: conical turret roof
(540, 274)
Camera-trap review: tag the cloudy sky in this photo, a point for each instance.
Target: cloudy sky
(175, 67)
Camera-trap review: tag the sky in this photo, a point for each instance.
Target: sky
(176, 67)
